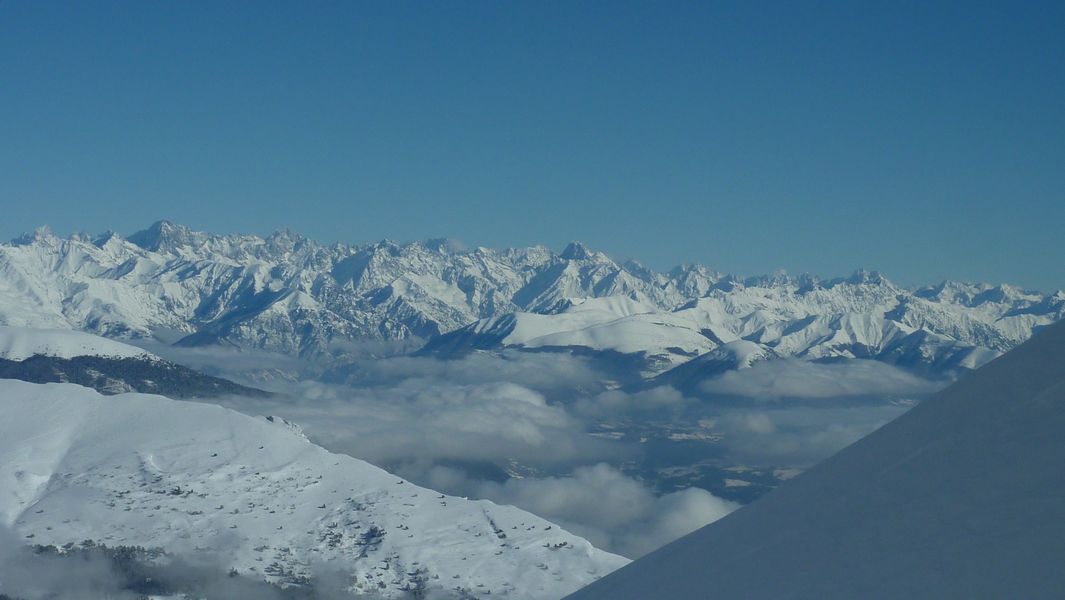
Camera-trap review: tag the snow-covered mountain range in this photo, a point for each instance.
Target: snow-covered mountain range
(185, 477)
(961, 497)
(949, 327)
(288, 294)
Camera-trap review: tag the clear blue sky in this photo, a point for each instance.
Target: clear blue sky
(924, 139)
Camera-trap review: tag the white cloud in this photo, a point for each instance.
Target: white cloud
(542, 371)
(777, 379)
(461, 425)
(758, 423)
(613, 511)
(430, 419)
(617, 402)
(797, 435)
(36, 577)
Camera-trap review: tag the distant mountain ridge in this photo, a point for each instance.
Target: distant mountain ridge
(286, 293)
(107, 366)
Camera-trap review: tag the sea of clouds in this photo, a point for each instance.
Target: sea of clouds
(513, 427)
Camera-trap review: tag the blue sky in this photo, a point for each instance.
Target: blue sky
(926, 140)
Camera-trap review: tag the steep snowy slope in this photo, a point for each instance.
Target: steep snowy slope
(615, 323)
(731, 356)
(288, 294)
(961, 497)
(186, 477)
(20, 343)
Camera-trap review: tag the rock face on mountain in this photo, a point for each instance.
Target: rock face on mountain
(188, 478)
(288, 294)
(961, 497)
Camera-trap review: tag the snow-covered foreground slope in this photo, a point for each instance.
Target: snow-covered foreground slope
(288, 294)
(961, 497)
(144, 470)
(20, 343)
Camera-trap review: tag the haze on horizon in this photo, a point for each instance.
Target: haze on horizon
(923, 141)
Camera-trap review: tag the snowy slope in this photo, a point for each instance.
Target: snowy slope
(20, 343)
(614, 323)
(731, 356)
(288, 294)
(145, 470)
(961, 497)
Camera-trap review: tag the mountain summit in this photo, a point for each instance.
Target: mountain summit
(576, 251)
(162, 235)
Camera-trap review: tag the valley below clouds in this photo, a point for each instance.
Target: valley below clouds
(629, 467)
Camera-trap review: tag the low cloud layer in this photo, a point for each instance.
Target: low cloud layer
(437, 420)
(30, 576)
(789, 378)
(798, 436)
(600, 503)
(548, 373)
(659, 400)
(100, 573)
(515, 428)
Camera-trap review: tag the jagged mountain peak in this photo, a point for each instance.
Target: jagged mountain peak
(287, 241)
(286, 234)
(103, 239)
(692, 268)
(975, 294)
(862, 275)
(39, 235)
(445, 245)
(777, 278)
(577, 251)
(161, 235)
(808, 282)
